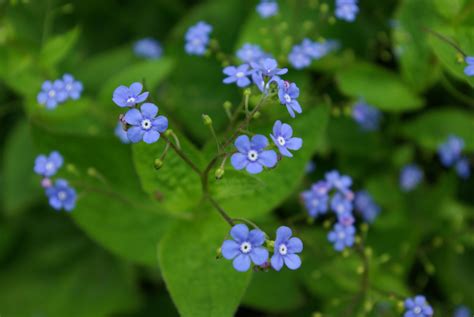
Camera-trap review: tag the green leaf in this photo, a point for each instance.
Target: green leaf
(449, 8)
(430, 129)
(379, 87)
(57, 48)
(200, 285)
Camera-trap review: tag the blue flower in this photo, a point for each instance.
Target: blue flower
(267, 8)
(148, 48)
(245, 248)
(462, 168)
(145, 124)
(259, 81)
(268, 67)
(129, 96)
(72, 87)
(282, 137)
(450, 151)
(340, 204)
(237, 75)
(417, 307)
(346, 219)
(366, 116)
(469, 69)
(346, 10)
(197, 38)
(251, 154)
(250, 53)
(121, 133)
(288, 93)
(365, 205)
(338, 181)
(342, 236)
(285, 250)
(462, 311)
(52, 94)
(410, 176)
(47, 166)
(61, 195)
(298, 57)
(316, 200)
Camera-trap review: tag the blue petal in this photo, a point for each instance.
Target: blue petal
(256, 237)
(277, 128)
(240, 233)
(142, 97)
(268, 158)
(292, 261)
(239, 161)
(277, 261)
(151, 136)
(242, 143)
(283, 234)
(149, 110)
(136, 88)
(135, 134)
(42, 97)
(294, 144)
(259, 142)
(242, 263)
(259, 255)
(294, 245)
(230, 249)
(229, 70)
(286, 131)
(243, 82)
(229, 80)
(133, 117)
(161, 123)
(254, 168)
(56, 158)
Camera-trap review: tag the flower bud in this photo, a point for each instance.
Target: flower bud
(206, 119)
(227, 105)
(219, 173)
(168, 133)
(257, 115)
(46, 182)
(247, 92)
(92, 172)
(158, 163)
(324, 7)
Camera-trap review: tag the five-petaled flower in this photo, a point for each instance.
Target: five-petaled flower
(61, 195)
(129, 96)
(288, 92)
(246, 247)
(346, 10)
(410, 176)
(283, 138)
(145, 125)
(342, 236)
(417, 307)
(366, 116)
(148, 48)
(197, 38)
(268, 67)
(237, 75)
(252, 154)
(47, 166)
(52, 93)
(250, 53)
(72, 87)
(267, 8)
(285, 250)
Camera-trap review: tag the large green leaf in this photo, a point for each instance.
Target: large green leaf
(200, 285)
(57, 48)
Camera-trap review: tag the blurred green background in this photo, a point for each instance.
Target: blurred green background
(130, 231)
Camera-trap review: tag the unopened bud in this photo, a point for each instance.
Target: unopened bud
(270, 244)
(324, 7)
(158, 164)
(247, 92)
(218, 253)
(92, 172)
(206, 119)
(219, 173)
(168, 133)
(227, 105)
(257, 115)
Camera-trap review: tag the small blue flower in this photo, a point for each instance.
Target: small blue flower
(245, 248)
(346, 219)
(418, 307)
(315, 201)
(72, 87)
(338, 181)
(148, 48)
(450, 151)
(410, 176)
(251, 154)
(462, 168)
(288, 93)
(342, 236)
(197, 38)
(365, 206)
(47, 166)
(268, 67)
(285, 250)
(346, 10)
(259, 80)
(250, 53)
(462, 311)
(299, 57)
(366, 116)
(129, 96)
(282, 137)
(237, 75)
(52, 94)
(267, 8)
(145, 125)
(121, 133)
(61, 195)
(340, 204)
(469, 69)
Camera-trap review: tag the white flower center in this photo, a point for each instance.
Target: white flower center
(315, 203)
(245, 247)
(196, 42)
(49, 166)
(252, 155)
(240, 75)
(68, 87)
(62, 195)
(341, 235)
(287, 98)
(131, 100)
(283, 249)
(281, 140)
(146, 124)
(417, 309)
(52, 93)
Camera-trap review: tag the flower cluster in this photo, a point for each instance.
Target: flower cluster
(368, 117)
(469, 69)
(450, 154)
(303, 54)
(346, 10)
(417, 307)
(410, 176)
(251, 53)
(143, 123)
(148, 48)
(249, 247)
(197, 38)
(59, 193)
(267, 8)
(56, 92)
(366, 206)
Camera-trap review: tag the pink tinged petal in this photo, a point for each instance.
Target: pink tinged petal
(259, 142)
(133, 117)
(161, 123)
(149, 110)
(142, 97)
(277, 262)
(240, 233)
(256, 237)
(292, 261)
(254, 168)
(294, 144)
(242, 143)
(151, 136)
(136, 88)
(294, 245)
(286, 131)
(268, 158)
(239, 161)
(230, 249)
(259, 255)
(242, 263)
(135, 134)
(283, 234)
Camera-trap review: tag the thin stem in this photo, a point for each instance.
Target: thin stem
(445, 39)
(221, 211)
(214, 135)
(182, 155)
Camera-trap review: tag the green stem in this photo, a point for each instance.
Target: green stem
(446, 40)
(182, 155)
(455, 93)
